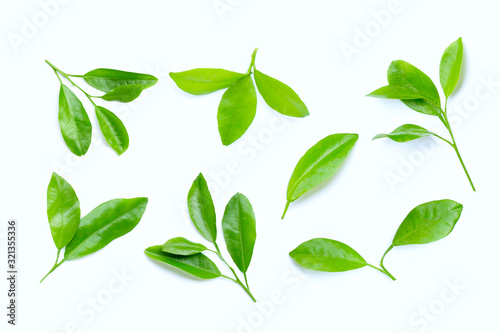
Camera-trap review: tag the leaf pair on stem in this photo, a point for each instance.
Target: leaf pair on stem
(239, 229)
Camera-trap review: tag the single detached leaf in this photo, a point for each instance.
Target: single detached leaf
(201, 209)
(428, 222)
(74, 122)
(104, 224)
(279, 96)
(451, 63)
(319, 163)
(106, 80)
(182, 246)
(401, 73)
(238, 226)
(202, 81)
(405, 133)
(198, 265)
(395, 92)
(237, 110)
(327, 255)
(113, 129)
(124, 94)
(63, 210)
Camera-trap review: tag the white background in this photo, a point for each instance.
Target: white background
(173, 137)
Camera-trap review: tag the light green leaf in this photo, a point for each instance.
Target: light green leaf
(279, 96)
(74, 122)
(395, 92)
(63, 210)
(113, 129)
(123, 94)
(106, 80)
(405, 133)
(237, 110)
(327, 255)
(183, 247)
(198, 265)
(238, 226)
(202, 81)
(449, 69)
(201, 209)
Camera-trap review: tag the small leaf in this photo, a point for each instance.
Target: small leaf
(319, 163)
(202, 81)
(428, 222)
(74, 122)
(238, 226)
(113, 129)
(106, 80)
(123, 94)
(182, 246)
(237, 110)
(201, 209)
(63, 210)
(104, 224)
(198, 265)
(405, 133)
(395, 92)
(279, 96)
(327, 255)
(449, 69)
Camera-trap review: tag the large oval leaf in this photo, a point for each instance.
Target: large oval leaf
(238, 226)
(327, 255)
(104, 224)
(201, 209)
(105, 79)
(405, 133)
(74, 122)
(279, 96)
(198, 265)
(319, 163)
(123, 94)
(183, 247)
(449, 69)
(428, 222)
(63, 210)
(237, 110)
(113, 129)
(201, 81)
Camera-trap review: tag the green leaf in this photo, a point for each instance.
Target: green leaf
(104, 224)
(202, 81)
(401, 73)
(201, 209)
(395, 92)
(63, 210)
(279, 96)
(428, 223)
(74, 122)
(106, 80)
(327, 255)
(318, 164)
(237, 110)
(198, 265)
(449, 69)
(238, 226)
(405, 133)
(113, 129)
(182, 246)
(123, 94)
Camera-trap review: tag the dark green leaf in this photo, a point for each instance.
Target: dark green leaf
(405, 133)
(123, 94)
(104, 224)
(63, 210)
(201, 209)
(113, 129)
(201, 81)
(451, 63)
(238, 226)
(236, 110)
(279, 96)
(428, 222)
(327, 255)
(198, 265)
(106, 80)
(74, 122)
(395, 92)
(182, 246)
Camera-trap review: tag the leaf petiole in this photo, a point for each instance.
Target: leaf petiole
(55, 265)
(252, 63)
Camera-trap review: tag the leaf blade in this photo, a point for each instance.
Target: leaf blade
(124, 94)
(183, 247)
(201, 209)
(406, 133)
(112, 128)
(395, 92)
(105, 79)
(450, 66)
(202, 81)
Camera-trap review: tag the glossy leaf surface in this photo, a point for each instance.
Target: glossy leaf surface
(124, 94)
(201, 209)
(113, 129)
(449, 69)
(201, 81)
(395, 92)
(182, 246)
(105, 79)
(405, 133)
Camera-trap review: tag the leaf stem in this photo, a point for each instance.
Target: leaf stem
(252, 63)
(55, 265)
(385, 271)
(286, 209)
